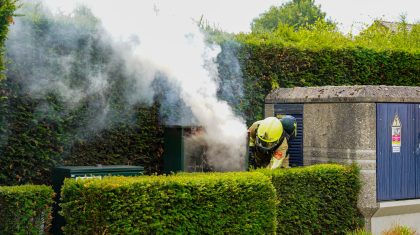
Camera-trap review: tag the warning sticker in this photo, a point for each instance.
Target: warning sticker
(396, 134)
(278, 155)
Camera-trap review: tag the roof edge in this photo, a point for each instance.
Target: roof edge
(345, 94)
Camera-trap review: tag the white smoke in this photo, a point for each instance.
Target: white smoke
(188, 60)
(169, 43)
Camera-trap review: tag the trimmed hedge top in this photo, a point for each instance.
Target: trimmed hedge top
(314, 169)
(210, 178)
(213, 203)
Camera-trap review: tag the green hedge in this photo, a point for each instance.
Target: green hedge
(7, 9)
(213, 203)
(321, 56)
(319, 199)
(270, 66)
(25, 209)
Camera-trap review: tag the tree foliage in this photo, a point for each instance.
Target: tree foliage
(297, 13)
(400, 37)
(322, 35)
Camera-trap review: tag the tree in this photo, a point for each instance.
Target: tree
(297, 13)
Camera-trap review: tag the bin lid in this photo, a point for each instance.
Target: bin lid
(99, 168)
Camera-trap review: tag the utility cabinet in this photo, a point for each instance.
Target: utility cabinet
(186, 149)
(84, 172)
(376, 127)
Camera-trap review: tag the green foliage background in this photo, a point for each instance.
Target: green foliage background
(7, 9)
(40, 132)
(25, 209)
(321, 56)
(211, 203)
(43, 130)
(296, 13)
(319, 199)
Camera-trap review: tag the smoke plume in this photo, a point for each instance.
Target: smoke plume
(163, 54)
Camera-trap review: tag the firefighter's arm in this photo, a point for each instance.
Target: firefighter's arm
(253, 133)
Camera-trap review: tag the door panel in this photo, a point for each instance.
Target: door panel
(396, 175)
(417, 146)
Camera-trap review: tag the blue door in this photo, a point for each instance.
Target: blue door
(417, 148)
(398, 172)
(296, 144)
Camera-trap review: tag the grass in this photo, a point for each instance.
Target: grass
(395, 230)
(399, 230)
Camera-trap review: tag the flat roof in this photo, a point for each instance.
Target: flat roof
(345, 94)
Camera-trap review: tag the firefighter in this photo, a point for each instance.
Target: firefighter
(268, 142)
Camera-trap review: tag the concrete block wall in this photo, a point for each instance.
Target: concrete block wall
(344, 133)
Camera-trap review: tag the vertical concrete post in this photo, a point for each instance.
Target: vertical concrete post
(344, 133)
(269, 110)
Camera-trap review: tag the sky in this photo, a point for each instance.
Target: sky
(236, 15)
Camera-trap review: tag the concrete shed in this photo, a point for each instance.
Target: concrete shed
(378, 127)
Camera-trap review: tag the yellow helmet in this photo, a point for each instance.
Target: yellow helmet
(269, 133)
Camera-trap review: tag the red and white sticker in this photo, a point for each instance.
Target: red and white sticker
(278, 155)
(396, 134)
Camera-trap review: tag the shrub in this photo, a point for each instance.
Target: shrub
(25, 209)
(213, 203)
(399, 230)
(319, 199)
